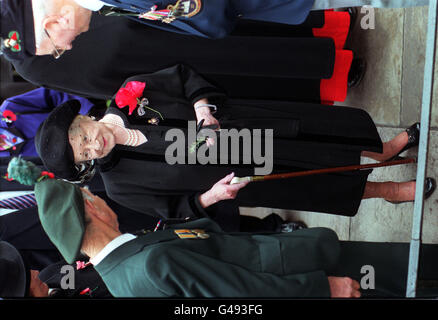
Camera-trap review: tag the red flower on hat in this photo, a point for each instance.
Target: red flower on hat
(9, 116)
(128, 96)
(48, 174)
(85, 291)
(7, 177)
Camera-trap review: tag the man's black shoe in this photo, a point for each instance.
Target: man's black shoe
(357, 72)
(292, 226)
(353, 12)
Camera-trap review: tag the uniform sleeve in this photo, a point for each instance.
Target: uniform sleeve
(182, 27)
(32, 101)
(57, 98)
(216, 19)
(36, 100)
(181, 81)
(177, 272)
(42, 100)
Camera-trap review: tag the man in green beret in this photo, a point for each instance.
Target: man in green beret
(197, 259)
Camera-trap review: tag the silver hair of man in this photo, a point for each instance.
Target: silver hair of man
(39, 9)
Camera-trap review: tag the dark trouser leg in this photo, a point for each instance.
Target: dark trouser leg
(328, 4)
(253, 224)
(390, 264)
(39, 259)
(427, 285)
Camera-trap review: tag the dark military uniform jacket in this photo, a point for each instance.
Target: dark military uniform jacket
(212, 18)
(197, 259)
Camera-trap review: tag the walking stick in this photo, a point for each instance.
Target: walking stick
(322, 171)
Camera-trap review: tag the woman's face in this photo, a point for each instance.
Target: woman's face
(90, 139)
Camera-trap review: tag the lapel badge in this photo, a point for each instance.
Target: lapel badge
(13, 41)
(154, 121)
(141, 111)
(201, 234)
(191, 234)
(144, 102)
(141, 107)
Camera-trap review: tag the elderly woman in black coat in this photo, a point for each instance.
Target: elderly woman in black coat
(129, 144)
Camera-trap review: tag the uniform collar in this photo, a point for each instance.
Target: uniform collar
(93, 5)
(111, 246)
(118, 255)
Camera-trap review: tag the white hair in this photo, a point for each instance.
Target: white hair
(39, 9)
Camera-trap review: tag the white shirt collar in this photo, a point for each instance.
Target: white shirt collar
(111, 246)
(93, 5)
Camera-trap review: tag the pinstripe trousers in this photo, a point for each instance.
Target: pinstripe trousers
(329, 4)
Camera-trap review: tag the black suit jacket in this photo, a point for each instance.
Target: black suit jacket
(87, 282)
(249, 64)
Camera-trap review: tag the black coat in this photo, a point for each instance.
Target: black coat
(83, 278)
(251, 63)
(306, 136)
(23, 230)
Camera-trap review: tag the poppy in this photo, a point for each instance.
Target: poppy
(128, 96)
(9, 116)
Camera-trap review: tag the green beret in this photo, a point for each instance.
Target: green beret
(61, 211)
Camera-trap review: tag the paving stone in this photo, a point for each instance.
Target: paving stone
(377, 219)
(430, 213)
(380, 91)
(413, 64)
(434, 113)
